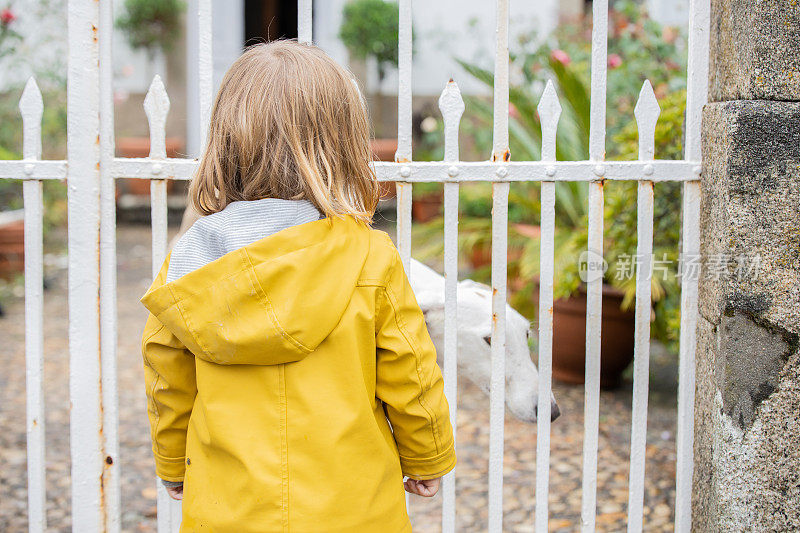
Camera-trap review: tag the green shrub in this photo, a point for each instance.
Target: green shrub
(369, 29)
(151, 25)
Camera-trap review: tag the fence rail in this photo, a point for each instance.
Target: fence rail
(91, 171)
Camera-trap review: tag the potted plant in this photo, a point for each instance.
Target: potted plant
(11, 226)
(620, 221)
(54, 126)
(12, 244)
(475, 229)
(369, 32)
(634, 48)
(152, 26)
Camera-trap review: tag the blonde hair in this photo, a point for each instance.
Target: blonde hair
(288, 122)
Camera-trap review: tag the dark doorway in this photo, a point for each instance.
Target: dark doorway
(267, 20)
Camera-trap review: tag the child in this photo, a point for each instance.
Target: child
(291, 381)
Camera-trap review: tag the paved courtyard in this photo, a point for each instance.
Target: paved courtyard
(138, 485)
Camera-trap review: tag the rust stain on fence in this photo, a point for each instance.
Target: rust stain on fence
(504, 156)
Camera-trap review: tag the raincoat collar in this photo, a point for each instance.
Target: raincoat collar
(270, 302)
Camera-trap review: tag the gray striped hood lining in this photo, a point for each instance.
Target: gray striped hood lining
(238, 225)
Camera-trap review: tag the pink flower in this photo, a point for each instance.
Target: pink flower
(614, 60)
(669, 34)
(512, 111)
(561, 56)
(7, 17)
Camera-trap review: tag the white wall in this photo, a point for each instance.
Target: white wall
(227, 43)
(670, 12)
(443, 29)
(132, 70)
(43, 47)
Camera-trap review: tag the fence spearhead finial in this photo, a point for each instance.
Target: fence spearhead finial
(31, 108)
(452, 107)
(450, 102)
(156, 107)
(646, 112)
(549, 109)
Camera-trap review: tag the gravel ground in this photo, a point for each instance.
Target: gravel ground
(138, 486)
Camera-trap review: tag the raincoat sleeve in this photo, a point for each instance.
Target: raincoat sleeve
(171, 388)
(409, 382)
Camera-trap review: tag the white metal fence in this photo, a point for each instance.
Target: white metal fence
(91, 170)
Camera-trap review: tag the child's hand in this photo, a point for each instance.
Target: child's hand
(176, 493)
(426, 488)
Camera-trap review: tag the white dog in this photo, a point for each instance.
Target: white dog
(474, 339)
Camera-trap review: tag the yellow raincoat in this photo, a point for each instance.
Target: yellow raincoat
(292, 384)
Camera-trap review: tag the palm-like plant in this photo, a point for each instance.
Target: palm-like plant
(639, 42)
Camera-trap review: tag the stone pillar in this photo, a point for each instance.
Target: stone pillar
(747, 411)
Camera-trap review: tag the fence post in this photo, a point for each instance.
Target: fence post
(452, 107)
(696, 95)
(112, 486)
(83, 198)
(646, 112)
(500, 189)
(31, 108)
(594, 284)
(549, 110)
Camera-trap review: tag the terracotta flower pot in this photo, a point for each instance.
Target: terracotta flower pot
(426, 207)
(569, 338)
(12, 248)
(481, 254)
(140, 146)
(384, 150)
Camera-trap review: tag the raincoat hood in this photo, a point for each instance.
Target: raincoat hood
(268, 302)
